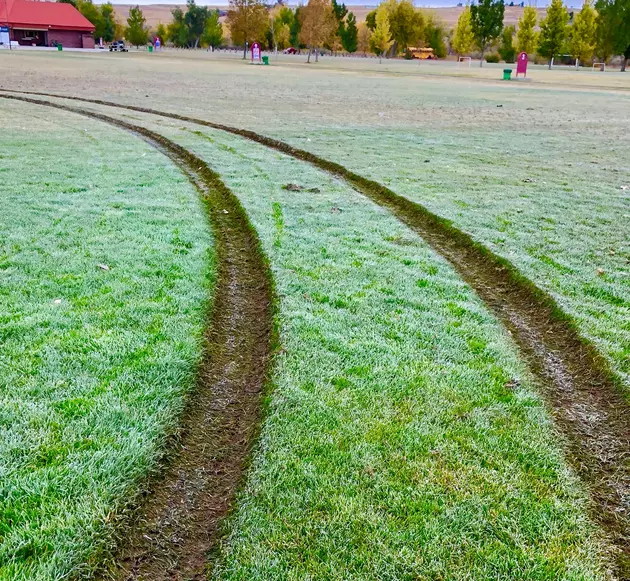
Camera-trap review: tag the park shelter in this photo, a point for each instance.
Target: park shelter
(32, 23)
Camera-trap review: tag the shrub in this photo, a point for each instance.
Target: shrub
(492, 57)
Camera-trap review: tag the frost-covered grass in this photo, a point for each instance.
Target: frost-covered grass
(533, 170)
(106, 267)
(403, 438)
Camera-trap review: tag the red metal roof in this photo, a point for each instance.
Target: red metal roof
(32, 14)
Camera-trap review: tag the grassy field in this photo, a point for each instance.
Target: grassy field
(107, 266)
(526, 168)
(404, 437)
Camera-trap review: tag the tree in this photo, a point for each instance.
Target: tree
(92, 13)
(195, 20)
(73, 2)
(613, 25)
(213, 32)
(295, 29)
(349, 40)
(318, 25)
(161, 33)
(406, 24)
(381, 37)
(527, 37)
(108, 23)
(370, 20)
(363, 38)
(136, 32)
(463, 39)
(248, 22)
(340, 11)
(177, 31)
(434, 34)
(553, 30)
(507, 50)
(486, 20)
(582, 35)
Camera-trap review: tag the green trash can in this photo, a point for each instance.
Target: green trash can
(265, 60)
(150, 48)
(507, 74)
(60, 47)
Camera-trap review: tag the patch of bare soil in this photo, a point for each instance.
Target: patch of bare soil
(178, 521)
(581, 391)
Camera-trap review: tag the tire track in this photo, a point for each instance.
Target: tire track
(178, 522)
(582, 392)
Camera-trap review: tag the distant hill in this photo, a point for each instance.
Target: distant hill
(156, 13)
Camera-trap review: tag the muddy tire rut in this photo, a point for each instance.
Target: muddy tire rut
(582, 392)
(178, 521)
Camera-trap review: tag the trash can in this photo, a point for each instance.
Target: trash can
(60, 47)
(150, 48)
(507, 74)
(265, 60)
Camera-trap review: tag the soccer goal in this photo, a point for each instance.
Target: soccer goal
(599, 67)
(461, 59)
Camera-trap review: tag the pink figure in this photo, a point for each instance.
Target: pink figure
(521, 64)
(256, 54)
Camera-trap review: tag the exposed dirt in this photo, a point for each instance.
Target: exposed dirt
(582, 392)
(179, 519)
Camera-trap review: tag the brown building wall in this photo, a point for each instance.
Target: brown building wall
(70, 38)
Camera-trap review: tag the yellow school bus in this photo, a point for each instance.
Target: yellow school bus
(422, 53)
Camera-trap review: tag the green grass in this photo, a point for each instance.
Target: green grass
(404, 439)
(562, 224)
(106, 264)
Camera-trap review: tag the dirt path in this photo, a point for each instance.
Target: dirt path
(581, 391)
(177, 524)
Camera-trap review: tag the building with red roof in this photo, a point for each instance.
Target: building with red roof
(33, 23)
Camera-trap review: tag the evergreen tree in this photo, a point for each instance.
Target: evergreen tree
(350, 38)
(526, 36)
(463, 39)
(582, 35)
(340, 11)
(553, 30)
(486, 19)
(381, 36)
(507, 50)
(136, 32)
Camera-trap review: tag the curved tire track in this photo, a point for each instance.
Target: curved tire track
(583, 393)
(178, 521)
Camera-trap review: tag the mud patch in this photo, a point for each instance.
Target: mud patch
(178, 521)
(581, 390)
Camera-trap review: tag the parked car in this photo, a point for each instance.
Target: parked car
(289, 50)
(118, 46)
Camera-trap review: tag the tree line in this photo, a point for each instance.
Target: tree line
(601, 30)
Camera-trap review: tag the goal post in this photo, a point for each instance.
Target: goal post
(599, 67)
(461, 59)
